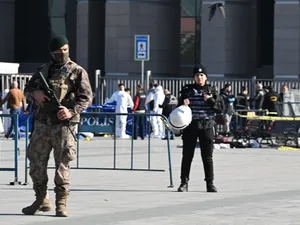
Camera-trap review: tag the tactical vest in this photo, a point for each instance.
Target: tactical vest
(142, 100)
(62, 82)
(200, 110)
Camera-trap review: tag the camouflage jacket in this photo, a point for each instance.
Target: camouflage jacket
(71, 85)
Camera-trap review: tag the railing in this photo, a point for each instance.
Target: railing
(105, 86)
(106, 124)
(7, 79)
(15, 167)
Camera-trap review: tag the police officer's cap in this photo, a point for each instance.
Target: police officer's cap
(199, 69)
(57, 42)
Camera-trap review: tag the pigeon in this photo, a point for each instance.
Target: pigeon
(213, 9)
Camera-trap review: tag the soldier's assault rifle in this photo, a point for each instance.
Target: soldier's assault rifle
(51, 95)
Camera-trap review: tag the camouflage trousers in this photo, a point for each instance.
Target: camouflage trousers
(45, 138)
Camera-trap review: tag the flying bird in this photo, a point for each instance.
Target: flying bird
(213, 9)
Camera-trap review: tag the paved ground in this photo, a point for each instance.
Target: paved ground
(256, 186)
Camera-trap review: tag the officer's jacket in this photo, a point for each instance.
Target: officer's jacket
(72, 88)
(201, 110)
(271, 100)
(242, 101)
(259, 99)
(140, 101)
(228, 102)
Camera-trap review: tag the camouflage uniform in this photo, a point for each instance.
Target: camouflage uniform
(72, 88)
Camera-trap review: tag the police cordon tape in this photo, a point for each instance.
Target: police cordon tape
(287, 148)
(278, 118)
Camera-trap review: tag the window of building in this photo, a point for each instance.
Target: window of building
(189, 35)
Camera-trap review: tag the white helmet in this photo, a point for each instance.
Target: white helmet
(180, 118)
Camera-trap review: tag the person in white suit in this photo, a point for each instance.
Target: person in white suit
(124, 101)
(159, 98)
(150, 106)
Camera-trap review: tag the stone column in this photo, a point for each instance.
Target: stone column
(286, 38)
(228, 45)
(82, 33)
(90, 36)
(7, 27)
(213, 54)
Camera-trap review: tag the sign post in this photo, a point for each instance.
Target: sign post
(142, 51)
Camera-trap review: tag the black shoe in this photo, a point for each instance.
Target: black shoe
(183, 187)
(172, 138)
(211, 188)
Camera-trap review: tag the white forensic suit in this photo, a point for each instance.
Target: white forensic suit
(150, 103)
(124, 101)
(5, 110)
(159, 98)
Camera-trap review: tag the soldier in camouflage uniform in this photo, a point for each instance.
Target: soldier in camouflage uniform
(71, 85)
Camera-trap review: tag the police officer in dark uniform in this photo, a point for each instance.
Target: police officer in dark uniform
(271, 100)
(139, 108)
(204, 103)
(242, 104)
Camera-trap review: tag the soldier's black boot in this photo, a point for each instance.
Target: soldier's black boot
(184, 185)
(210, 187)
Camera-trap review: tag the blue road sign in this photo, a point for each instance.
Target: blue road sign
(141, 47)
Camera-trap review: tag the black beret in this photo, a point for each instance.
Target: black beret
(57, 42)
(199, 69)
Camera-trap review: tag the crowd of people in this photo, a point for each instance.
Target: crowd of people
(265, 98)
(161, 101)
(156, 101)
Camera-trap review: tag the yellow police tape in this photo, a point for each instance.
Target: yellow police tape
(278, 118)
(286, 148)
(165, 122)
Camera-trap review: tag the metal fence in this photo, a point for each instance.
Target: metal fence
(15, 167)
(105, 86)
(7, 79)
(98, 122)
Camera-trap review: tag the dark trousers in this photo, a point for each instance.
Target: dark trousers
(206, 137)
(139, 122)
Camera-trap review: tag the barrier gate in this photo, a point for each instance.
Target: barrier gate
(15, 168)
(103, 122)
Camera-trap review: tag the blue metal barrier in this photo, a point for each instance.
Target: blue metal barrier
(28, 128)
(104, 122)
(15, 169)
